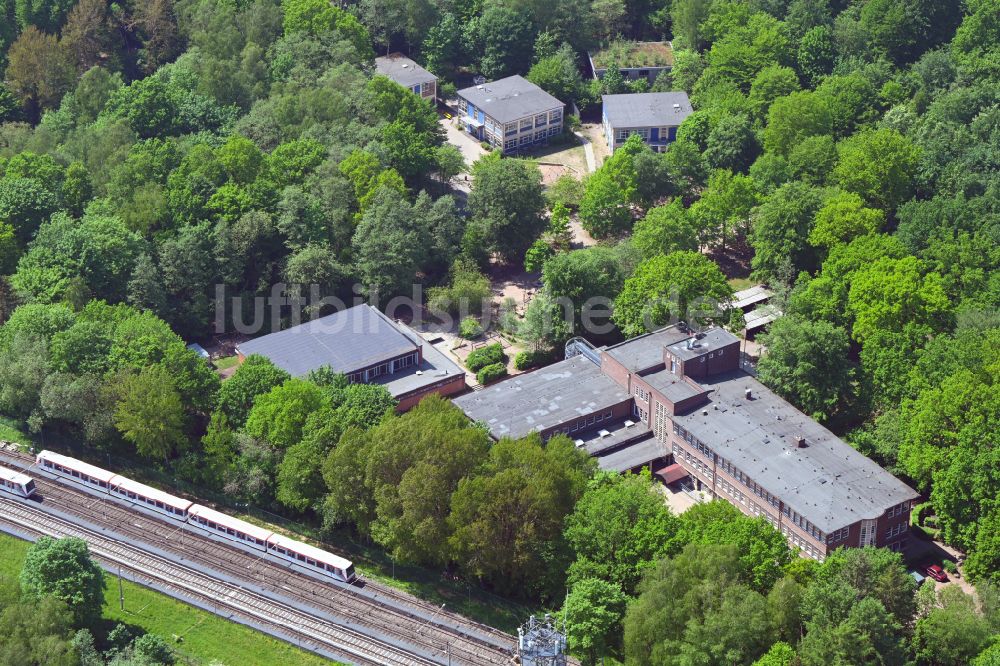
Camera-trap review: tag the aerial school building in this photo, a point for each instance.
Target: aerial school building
(680, 402)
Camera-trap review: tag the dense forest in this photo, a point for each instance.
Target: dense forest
(157, 153)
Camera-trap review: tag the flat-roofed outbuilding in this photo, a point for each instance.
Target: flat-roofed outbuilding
(408, 74)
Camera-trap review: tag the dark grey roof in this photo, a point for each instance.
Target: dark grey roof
(510, 99)
(672, 385)
(709, 341)
(402, 70)
(633, 455)
(542, 399)
(645, 351)
(829, 483)
(647, 109)
(348, 340)
(435, 367)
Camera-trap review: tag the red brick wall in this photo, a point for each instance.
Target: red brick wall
(453, 385)
(617, 372)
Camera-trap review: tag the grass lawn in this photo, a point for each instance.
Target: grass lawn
(10, 430)
(740, 283)
(206, 637)
(226, 362)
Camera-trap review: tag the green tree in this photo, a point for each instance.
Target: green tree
(618, 529)
(674, 286)
(63, 568)
(952, 633)
(890, 293)
(604, 209)
(503, 37)
(279, 415)
(794, 117)
(879, 165)
(300, 478)
(594, 611)
(817, 53)
(558, 75)
(506, 203)
(665, 229)
(842, 218)
(24, 205)
(780, 654)
(770, 84)
(806, 363)
(780, 232)
(812, 159)
(507, 520)
(695, 608)
(149, 413)
(37, 631)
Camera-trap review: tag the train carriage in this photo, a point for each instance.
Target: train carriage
(238, 531)
(89, 476)
(16, 483)
(149, 498)
(311, 558)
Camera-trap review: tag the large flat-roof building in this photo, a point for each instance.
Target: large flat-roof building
(408, 74)
(680, 400)
(366, 346)
(512, 114)
(653, 116)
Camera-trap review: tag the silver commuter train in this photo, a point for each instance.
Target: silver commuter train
(214, 523)
(16, 483)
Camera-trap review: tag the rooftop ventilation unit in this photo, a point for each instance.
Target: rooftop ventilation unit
(603, 434)
(748, 394)
(579, 443)
(677, 107)
(800, 442)
(704, 412)
(629, 424)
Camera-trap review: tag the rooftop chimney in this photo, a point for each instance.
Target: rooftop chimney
(748, 394)
(800, 442)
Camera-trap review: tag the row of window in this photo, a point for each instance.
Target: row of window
(897, 510)
(584, 422)
(624, 134)
(754, 487)
(307, 560)
(389, 367)
(895, 531)
(228, 530)
(838, 535)
(511, 144)
(642, 393)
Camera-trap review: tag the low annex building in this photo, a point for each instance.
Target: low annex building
(653, 116)
(512, 114)
(408, 74)
(680, 401)
(366, 346)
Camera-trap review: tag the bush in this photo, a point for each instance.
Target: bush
(949, 566)
(470, 328)
(484, 356)
(447, 90)
(523, 360)
(491, 373)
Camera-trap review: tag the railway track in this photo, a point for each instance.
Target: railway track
(375, 610)
(302, 627)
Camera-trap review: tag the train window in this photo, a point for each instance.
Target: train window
(312, 562)
(159, 504)
(301, 557)
(103, 484)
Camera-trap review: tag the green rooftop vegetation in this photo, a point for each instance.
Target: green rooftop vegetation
(635, 54)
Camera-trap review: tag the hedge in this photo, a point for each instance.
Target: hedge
(484, 356)
(491, 373)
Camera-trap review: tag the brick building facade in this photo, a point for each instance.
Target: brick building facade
(689, 404)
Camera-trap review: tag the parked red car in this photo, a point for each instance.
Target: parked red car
(937, 573)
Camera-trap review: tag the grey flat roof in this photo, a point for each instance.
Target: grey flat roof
(346, 341)
(435, 367)
(542, 399)
(672, 385)
(829, 483)
(647, 109)
(402, 70)
(510, 99)
(618, 434)
(633, 455)
(710, 340)
(645, 351)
